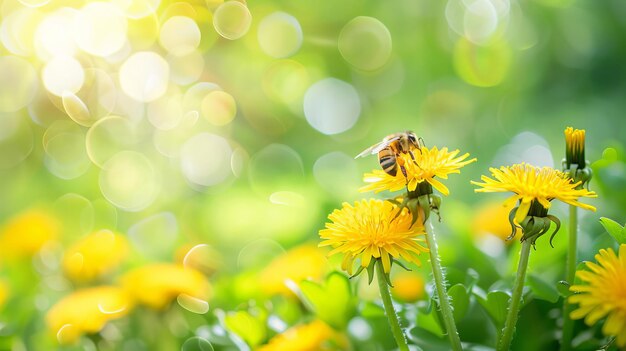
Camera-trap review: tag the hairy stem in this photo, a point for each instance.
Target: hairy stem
(570, 272)
(442, 293)
(514, 303)
(394, 323)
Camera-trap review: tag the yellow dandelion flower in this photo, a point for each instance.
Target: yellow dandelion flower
(314, 336)
(27, 232)
(86, 311)
(373, 229)
(156, 285)
(302, 262)
(429, 164)
(603, 293)
(408, 286)
(530, 183)
(94, 255)
(575, 147)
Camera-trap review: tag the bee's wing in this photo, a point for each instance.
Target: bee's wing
(370, 150)
(376, 148)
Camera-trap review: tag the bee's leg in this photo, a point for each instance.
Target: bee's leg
(413, 158)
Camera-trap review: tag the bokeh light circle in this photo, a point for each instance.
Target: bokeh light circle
(107, 137)
(17, 83)
(205, 159)
(136, 9)
(279, 35)
(16, 140)
(332, 106)
(63, 74)
(218, 107)
(129, 181)
(186, 69)
(100, 28)
(55, 34)
(64, 146)
(76, 109)
(197, 343)
(155, 236)
(482, 65)
(180, 35)
(166, 112)
(232, 20)
(365, 43)
(480, 21)
(144, 76)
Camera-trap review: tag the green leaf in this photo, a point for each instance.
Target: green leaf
(495, 304)
(614, 229)
(250, 328)
(459, 298)
(429, 319)
(372, 310)
(541, 289)
(333, 303)
(427, 340)
(563, 288)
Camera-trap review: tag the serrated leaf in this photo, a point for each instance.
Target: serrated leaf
(496, 305)
(541, 289)
(563, 288)
(333, 302)
(459, 298)
(614, 229)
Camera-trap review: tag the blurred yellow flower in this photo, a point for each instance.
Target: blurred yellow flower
(25, 233)
(373, 229)
(157, 284)
(493, 218)
(302, 262)
(4, 293)
(314, 336)
(428, 164)
(86, 311)
(530, 183)
(408, 286)
(603, 293)
(94, 255)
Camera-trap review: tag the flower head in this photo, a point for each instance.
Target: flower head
(603, 293)
(428, 164)
(529, 183)
(373, 229)
(86, 311)
(156, 285)
(575, 164)
(302, 262)
(314, 336)
(95, 254)
(575, 147)
(27, 232)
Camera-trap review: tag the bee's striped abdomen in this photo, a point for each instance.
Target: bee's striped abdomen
(387, 160)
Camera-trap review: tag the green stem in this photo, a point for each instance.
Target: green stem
(394, 323)
(442, 293)
(570, 272)
(514, 303)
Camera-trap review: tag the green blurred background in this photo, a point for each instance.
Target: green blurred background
(240, 132)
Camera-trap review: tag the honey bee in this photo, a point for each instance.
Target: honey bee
(391, 147)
